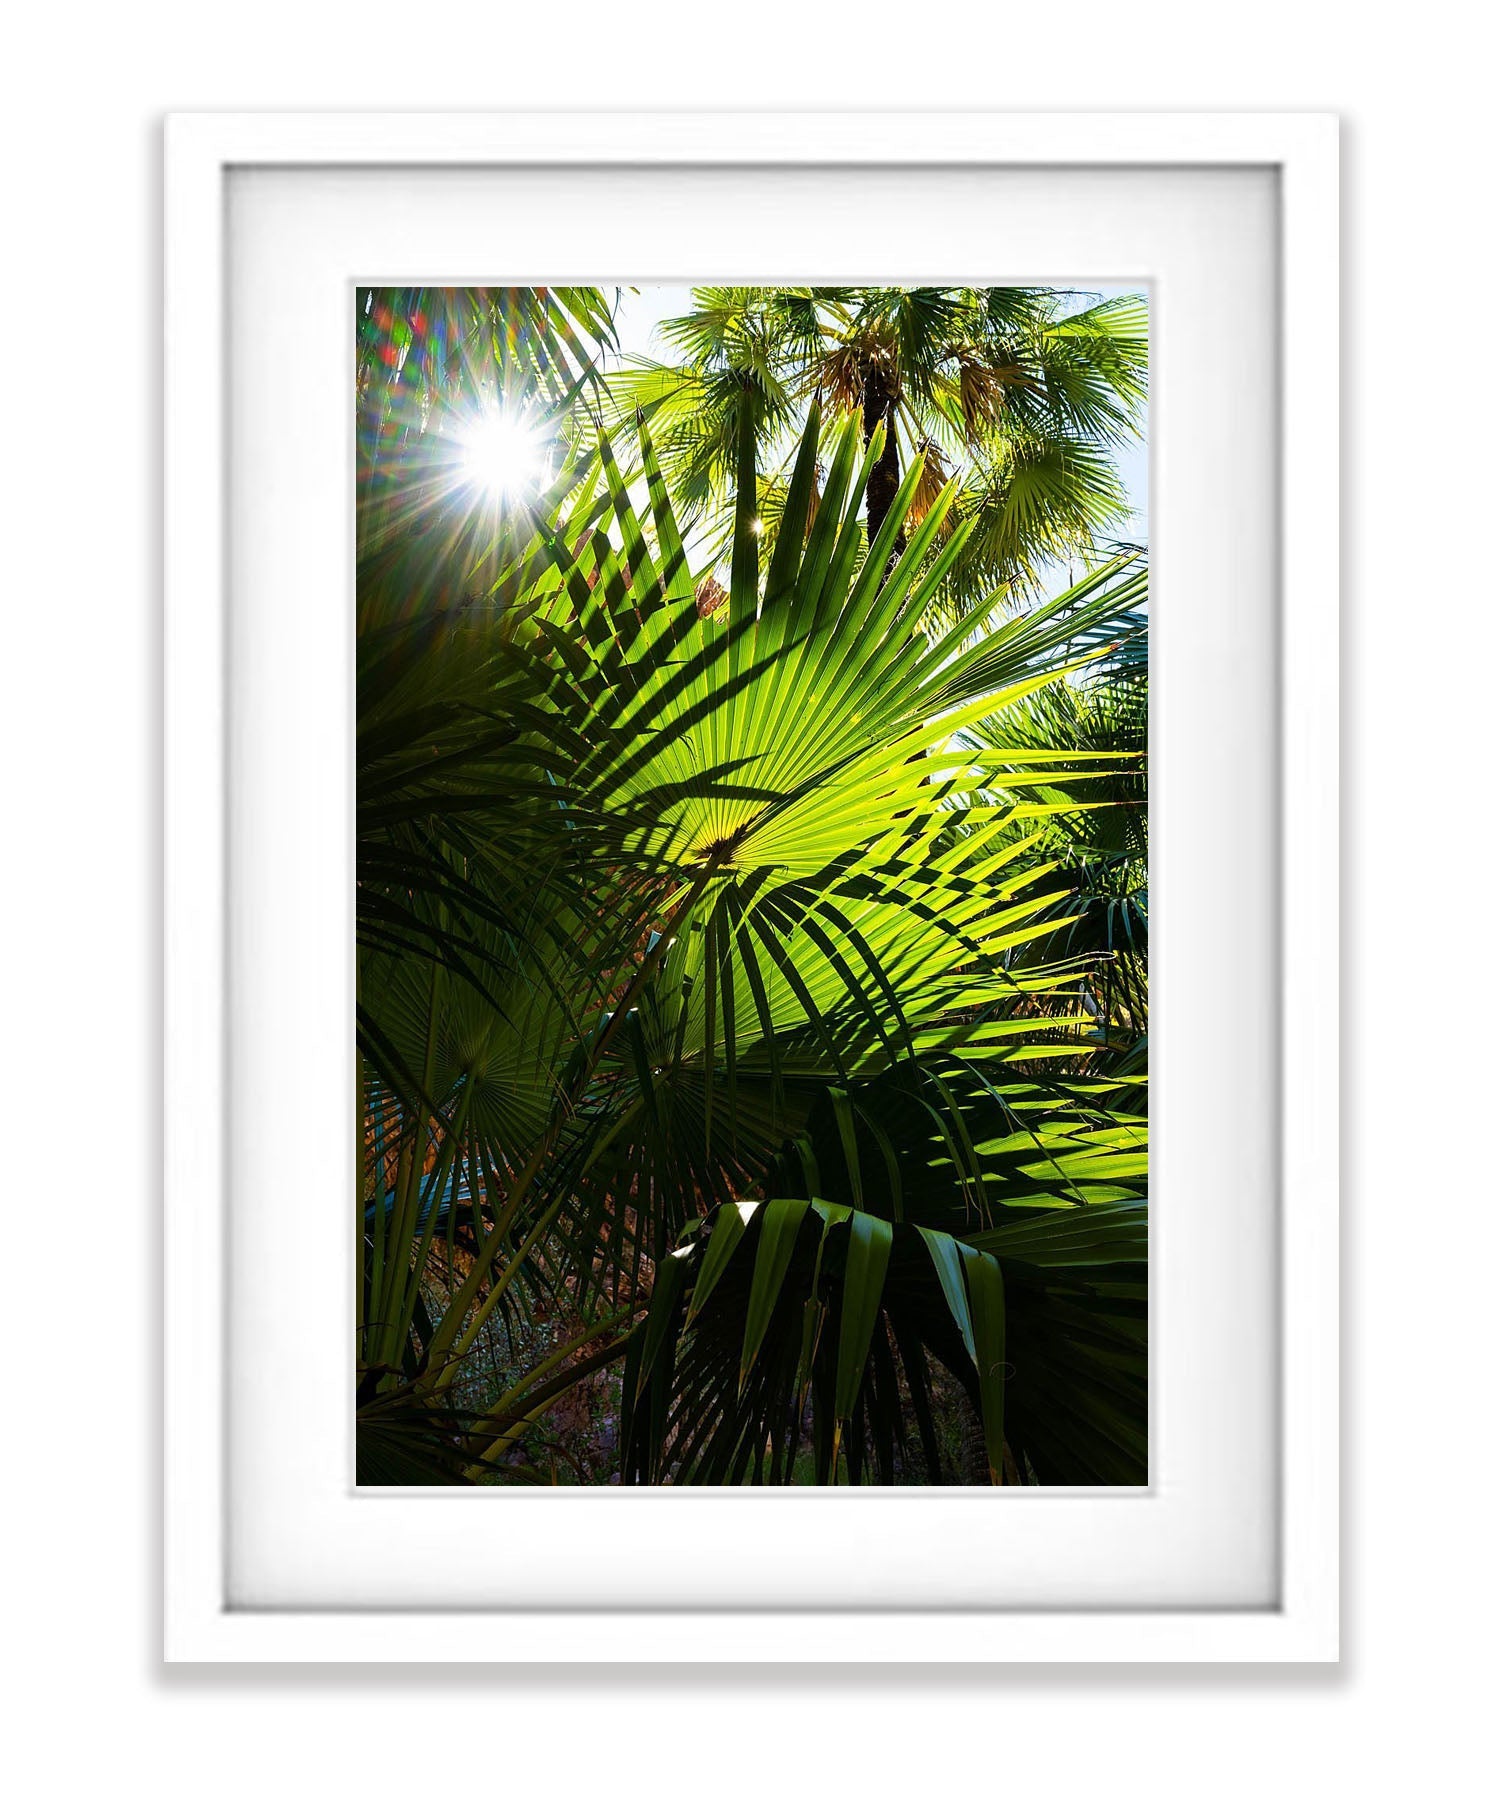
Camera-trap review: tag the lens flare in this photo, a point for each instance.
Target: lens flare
(503, 454)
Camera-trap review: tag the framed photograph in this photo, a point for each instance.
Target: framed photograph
(676, 627)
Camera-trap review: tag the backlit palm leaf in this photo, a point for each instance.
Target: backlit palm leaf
(659, 905)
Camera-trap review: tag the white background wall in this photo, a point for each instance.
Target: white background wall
(79, 959)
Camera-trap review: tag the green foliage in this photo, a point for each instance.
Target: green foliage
(728, 977)
(1020, 394)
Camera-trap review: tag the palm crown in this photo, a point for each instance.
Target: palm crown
(1021, 392)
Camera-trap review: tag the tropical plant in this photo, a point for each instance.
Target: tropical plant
(1100, 845)
(715, 995)
(1021, 392)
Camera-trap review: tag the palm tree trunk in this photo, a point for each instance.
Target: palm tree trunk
(976, 1456)
(878, 408)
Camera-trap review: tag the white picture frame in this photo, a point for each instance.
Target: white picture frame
(1297, 1620)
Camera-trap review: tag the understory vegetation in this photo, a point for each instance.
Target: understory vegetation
(752, 894)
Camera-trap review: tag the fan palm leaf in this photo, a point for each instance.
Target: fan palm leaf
(659, 898)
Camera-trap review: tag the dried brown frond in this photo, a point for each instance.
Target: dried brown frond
(984, 386)
(930, 484)
(711, 596)
(838, 376)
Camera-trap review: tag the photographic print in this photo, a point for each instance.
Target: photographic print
(752, 895)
